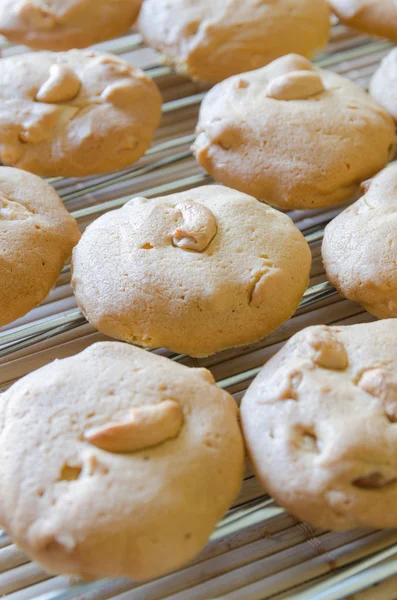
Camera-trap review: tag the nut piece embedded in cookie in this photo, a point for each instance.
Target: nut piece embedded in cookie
(283, 386)
(289, 64)
(75, 113)
(44, 120)
(96, 507)
(63, 85)
(148, 426)
(198, 227)
(381, 384)
(365, 185)
(34, 15)
(329, 352)
(298, 85)
(274, 137)
(196, 272)
(120, 93)
(346, 418)
(13, 211)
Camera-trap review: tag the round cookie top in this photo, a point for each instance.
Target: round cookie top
(359, 248)
(196, 272)
(65, 24)
(74, 113)
(383, 86)
(320, 425)
(37, 235)
(117, 462)
(214, 39)
(376, 17)
(293, 135)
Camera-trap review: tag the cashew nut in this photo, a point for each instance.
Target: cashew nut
(119, 93)
(148, 426)
(42, 123)
(62, 85)
(381, 384)
(198, 228)
(13, 211)
(298, 85)
(39, 17)
(327, 351)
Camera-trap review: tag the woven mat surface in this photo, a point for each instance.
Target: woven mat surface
(258, 551)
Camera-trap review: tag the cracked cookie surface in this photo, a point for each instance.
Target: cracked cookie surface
(74, 113)
(65, 24)
(320, 425)
(196, 272)
(117, 462)
(37, 235)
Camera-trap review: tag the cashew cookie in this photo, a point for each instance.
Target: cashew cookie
(213, 39)
(383, 86)
(37, 235)
(320, 423)
(196, 272)
(65, 24)
(360, 247)
(117, 462)
(375, 17)
(293, 135)
(74, 113)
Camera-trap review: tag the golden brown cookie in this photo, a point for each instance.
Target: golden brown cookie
(117, 462)
(37, 235)
(320, 423)
(214, 39)
(65, 24)
(74, 113)
(196, 272)
(360, 250)
(376, 17)
(293, 135)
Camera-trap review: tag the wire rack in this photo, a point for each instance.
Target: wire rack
(258, 551)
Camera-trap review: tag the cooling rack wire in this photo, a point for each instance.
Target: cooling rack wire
(258, 551)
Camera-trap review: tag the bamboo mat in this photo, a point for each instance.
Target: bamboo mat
(258, 551)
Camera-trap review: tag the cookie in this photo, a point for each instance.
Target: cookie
(74, 113)
(320, 423)
(117, 462)
(196, 272)
(37, 235)
(383, 86)
(375, 17)
(293, 135)
(359, 248)
(211, 40)
(65, 24)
